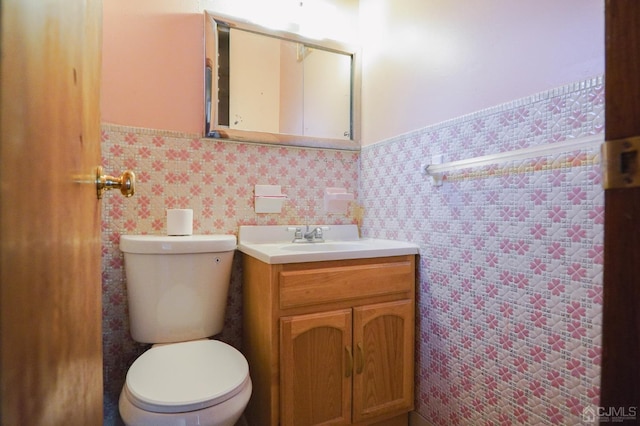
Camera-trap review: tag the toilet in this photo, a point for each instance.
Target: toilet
(177, 289)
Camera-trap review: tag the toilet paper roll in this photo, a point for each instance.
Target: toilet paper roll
(179, 221)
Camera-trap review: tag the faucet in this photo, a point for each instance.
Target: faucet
(309, 236)
(315, 235)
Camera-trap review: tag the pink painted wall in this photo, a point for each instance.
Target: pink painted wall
(152, 70)
(425, 62)
(429, 54)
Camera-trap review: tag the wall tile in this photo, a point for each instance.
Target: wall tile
(510, 276)
(216, 179)
(510, 272)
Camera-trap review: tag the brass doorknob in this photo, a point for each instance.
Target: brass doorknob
(126, 183)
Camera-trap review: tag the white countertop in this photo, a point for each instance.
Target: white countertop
(273, 245)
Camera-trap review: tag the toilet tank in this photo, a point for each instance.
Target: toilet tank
(177, 286)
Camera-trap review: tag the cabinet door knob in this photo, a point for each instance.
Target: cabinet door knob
(349, 360)
(359, 359)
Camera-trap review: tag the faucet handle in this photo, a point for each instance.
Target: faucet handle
(324, 228)
(320, 229)
(297, 230)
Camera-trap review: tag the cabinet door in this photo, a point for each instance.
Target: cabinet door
(316, 369)
(383, 354)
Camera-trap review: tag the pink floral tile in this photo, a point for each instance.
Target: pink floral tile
(216, 179)
(510, 277)
(510, 269)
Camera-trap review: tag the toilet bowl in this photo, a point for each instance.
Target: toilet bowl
(177, 291)
(199, 383)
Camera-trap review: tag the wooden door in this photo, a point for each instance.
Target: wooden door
(383, 352)
(50, 295)
(620, 386)
(316, 369)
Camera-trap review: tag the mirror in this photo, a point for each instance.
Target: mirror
(269, 86)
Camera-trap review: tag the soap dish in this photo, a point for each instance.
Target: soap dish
(336, 200)
(269, 198)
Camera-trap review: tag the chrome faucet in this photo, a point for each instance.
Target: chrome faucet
(315, 235)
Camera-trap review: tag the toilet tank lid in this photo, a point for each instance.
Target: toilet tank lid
(163, 244)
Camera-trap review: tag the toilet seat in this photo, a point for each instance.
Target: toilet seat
(187, 376)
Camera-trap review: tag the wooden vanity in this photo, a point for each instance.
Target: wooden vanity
(330, 342)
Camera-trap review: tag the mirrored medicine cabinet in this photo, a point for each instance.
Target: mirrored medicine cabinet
(275, 87)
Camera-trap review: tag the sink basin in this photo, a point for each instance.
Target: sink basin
(272, 244)
(326, 246)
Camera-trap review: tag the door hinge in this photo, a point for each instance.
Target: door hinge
(621, 163)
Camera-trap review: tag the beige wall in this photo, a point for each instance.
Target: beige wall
(255, 62)
(426, 61)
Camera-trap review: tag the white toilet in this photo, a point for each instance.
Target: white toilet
(177, 289)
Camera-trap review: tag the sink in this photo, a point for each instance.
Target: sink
(326, 246)
(272, 244)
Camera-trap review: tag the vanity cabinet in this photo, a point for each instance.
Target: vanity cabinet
(330, 342)
(347, 364)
